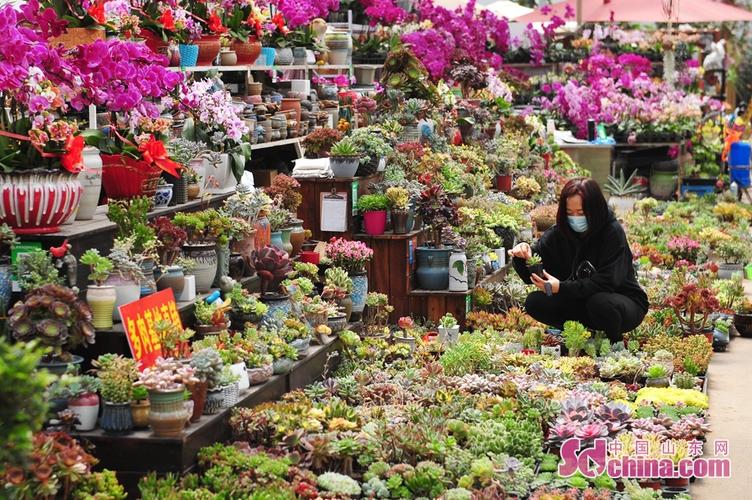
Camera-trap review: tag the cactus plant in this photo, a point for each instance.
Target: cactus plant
(116, 374)
(272, 266)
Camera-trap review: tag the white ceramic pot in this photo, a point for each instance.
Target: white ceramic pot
(91, 182)
(449, 335)
(221, 177)
(621, 205)
(101, 300)
(338, 56)
(501, 257)
(86, 409)
(205, 255)
(127, 291)
(457, 272)
(240, 370)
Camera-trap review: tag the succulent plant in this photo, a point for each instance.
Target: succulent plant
(684, 380)
(591, 431)
(116, 374)
(272, 265)
(575, 409)
(54, 316)
(167, 375)
(615, 415)
(207, 365)
(339, 483)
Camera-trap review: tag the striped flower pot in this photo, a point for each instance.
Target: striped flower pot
(38, 202)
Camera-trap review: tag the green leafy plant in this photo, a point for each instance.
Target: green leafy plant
(656, 371)
(372, 203)
(24, 407)
(534, 260)
(448, 321)
(35, 269)
(575, 337)
(100, 266)
(131, 218)
(345, 148)
(619, 186)
(117, 375)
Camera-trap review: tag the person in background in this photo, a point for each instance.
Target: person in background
(587, 274)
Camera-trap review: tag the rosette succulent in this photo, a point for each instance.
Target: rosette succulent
(272, 265)
(592, 431)
(54, 316)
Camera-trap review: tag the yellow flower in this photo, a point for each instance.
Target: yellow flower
(672, 396)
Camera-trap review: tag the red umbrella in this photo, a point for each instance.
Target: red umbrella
(685, 11)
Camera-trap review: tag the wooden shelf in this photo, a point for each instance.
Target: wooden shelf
(261, 67)
(389, 235)
(275, 144)
(134, 455)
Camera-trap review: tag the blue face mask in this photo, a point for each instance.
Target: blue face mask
(578, 223)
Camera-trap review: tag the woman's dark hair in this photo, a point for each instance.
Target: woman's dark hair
(593, 204)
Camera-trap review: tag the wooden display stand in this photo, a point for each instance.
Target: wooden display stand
(392, 267)
(313, 189)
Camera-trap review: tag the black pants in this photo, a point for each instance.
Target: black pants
(612, 313)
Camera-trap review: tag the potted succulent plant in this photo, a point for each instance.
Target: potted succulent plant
(623, 193)
(316, 310)
(272, 265)
(171, 239)
(449, 329)
(338, 286)
(535, 265)
(166, 382)
(117, 375)
(208, 366)
(58, 320)
(319, 142)
(575, 337)
(140, 407)
(284, 355)
(259, 367)
(399, 203)
(228, 383)
(209, 318)
(126, 275)
(734, 254)
(173, 339)
(246, 308)
(78, 393)
(373, 208)
(743, 318)
(657, 376)
(344, 158)
(101, 297)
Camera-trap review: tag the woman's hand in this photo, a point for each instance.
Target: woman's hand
(521, 251)
(541, 283)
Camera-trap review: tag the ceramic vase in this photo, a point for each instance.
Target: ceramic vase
(433, 268)
(205, 255)
(163, 196)
(174, 278)
(147, 285)
(86, 408)
(297, 237)
(126, 291)
(286, 243)
(276, 240)
(359, 292)
(458, 272)
(90, 179)
(116, 418)
(198, 395)
(101, 300)
(167, 413)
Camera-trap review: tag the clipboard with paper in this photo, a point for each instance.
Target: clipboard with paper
(334, 212)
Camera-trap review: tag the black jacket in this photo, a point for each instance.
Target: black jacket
(606, 249)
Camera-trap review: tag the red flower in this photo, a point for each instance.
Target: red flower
(73, 160)
(96, 11)
(167, 21)
(215, 24)
(279, 21)
(154, 152)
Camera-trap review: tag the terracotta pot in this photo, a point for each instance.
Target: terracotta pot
(228, 58)
(247, 52)
(193, 191)
(37, 203)
(208, 48)
(140, 413)
(289, 103)
(198, 395)
(79, 36)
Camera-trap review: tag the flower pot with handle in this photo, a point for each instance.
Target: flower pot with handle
(374, 222)
(116, 418)
(167, 414)
(433, 268)
(90, 179)
(58, 197)
(86, 408)
(101, 300)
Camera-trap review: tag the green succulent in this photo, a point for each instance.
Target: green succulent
(208, 365)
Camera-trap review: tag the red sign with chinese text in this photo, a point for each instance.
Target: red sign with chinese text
(138, 321)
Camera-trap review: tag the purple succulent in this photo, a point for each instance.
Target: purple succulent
(615, 416)
(592, 431)
(562, 431)
(575, 410)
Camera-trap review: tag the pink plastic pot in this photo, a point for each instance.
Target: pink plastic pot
(375, 222)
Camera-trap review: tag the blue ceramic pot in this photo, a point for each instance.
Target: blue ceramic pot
(116, 418)
(269, 54)
(359, 292)
(433, 268)
(188, 54)
(276, 303)
(277, 240)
